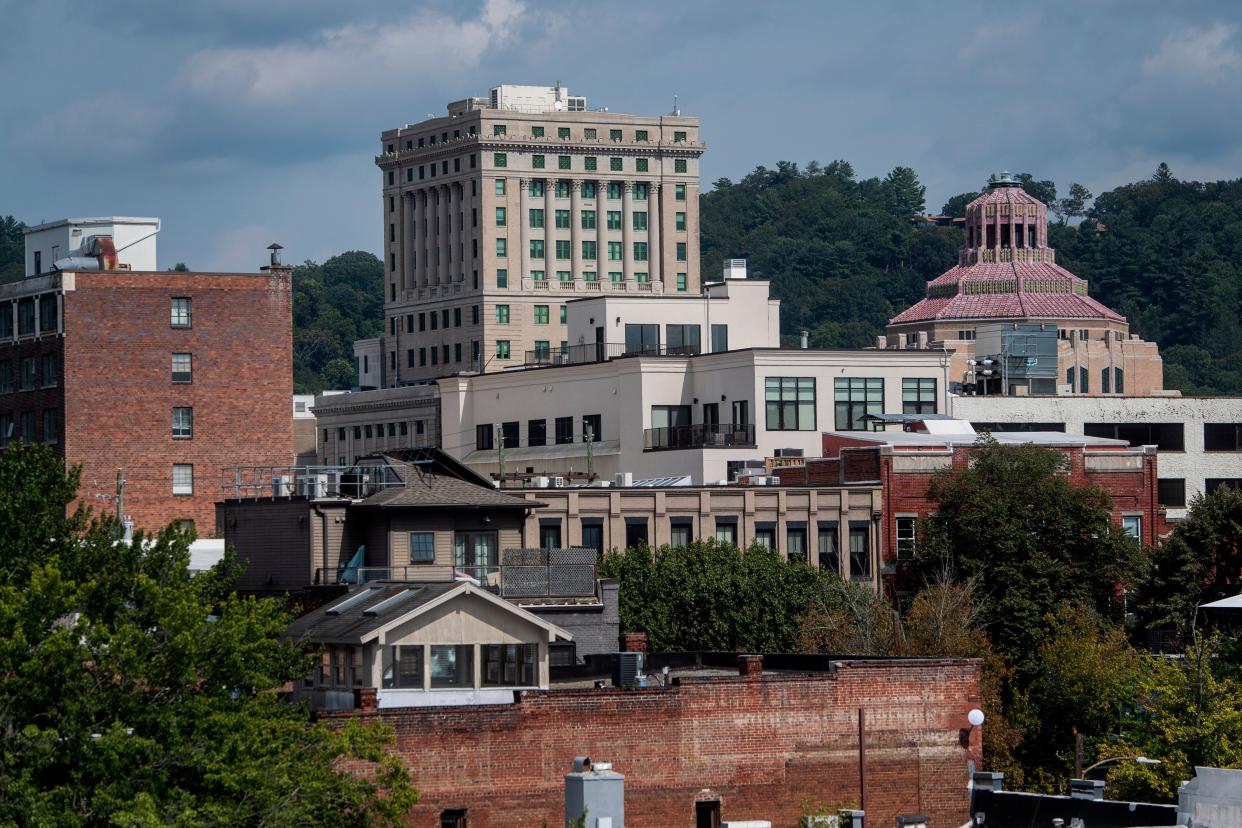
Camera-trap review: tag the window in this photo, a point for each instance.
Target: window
(589, 133)
(536, 131)
(50, 422)
(564, 276)
(589, 250)
(536, 248)
(679, 192)
(795, 543)
(500, 186)
(483, 437)
(562, 162)
(536, 218)
(640, 191)
(642, 339)
(47, 314)
(28, 427)
(564, 249)
(679, 165)
(6, 378)
(562, 219)
(1164, 436)
(905, 537)
(918, 396)
(829, 551)
(456, 317)
(860, 550)
(589, 163)
(564, 430)
(614, 192)
(855, 397)
(502, 247)
(726, 531)
(502, 278)
(1211, 484)
(502, 349)
(640, 251)
(614, 276)
(182, 423)
(680, 221)
(6, 320)
(681, 530)
(182, 368)
(614, 219)
(614, 135)
(592, 428)
(403, 667)
(181, 315)
(29, 373)
(1084, 381)
(537, 433)
(497, 129)
(588, 219)
(535, 188)
(6, 429)
(640, 220)
(474, 314)
(536, 161)
(183, 479)
(681, 286)
(679, 137)
(564, 314)
(1105, 381)
(510, 665)
(538, 275)
(501, 216)
(26, 317)
(502, 314)
(550, 533)
(422, 356)
(614, 164)
(1132, 525)
(682, 339)
(640, 165)
(499, 159)
(790, 403)
(422, 548)
(562, 132)
(765, 535)
(1171, 492)
(590, 276)
(1119, 381)
(48, 373)
(509, 434)
(615, 251)
(681, 251)
(541, 314)
(562, 190)
(452, 665)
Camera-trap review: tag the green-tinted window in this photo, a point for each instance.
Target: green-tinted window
(615, 251)
(502, 349)
(855, 398)
(562, 189)
(680, 192)
(562, 132)
(681, 221)
(614, 219)
(614, 135)
(589, 133)
(640, 251)
(536, 217)
(679, 165)
(588, 189)
(640, 219)
(541, 314)
(790, 403)
(589, 250)
(590, 276)
(642, 276)
(614, 190)
(564, 276)
(502, 314)
(536, 161)
(681, 281)
(536, 248)
(500, 217)
(502, 247)
(588, 163)
(564, 249)
(678, 137)
(614, 164)
(640, 191)
(500, 186)
(681, 251)
(640, 135)
(562, 219)
(535, 188)
(499, 159)
(564, 314)
(562, 162)
(498, 129)
(640, 165)
(588, 219)
(614, 276)
(538, 276)
(502, 278)
(537, 131)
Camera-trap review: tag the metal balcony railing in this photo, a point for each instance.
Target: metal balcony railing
(602, 352)
(254, 482)
(718, 435)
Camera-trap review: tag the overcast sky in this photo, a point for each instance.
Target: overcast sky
(242, 122)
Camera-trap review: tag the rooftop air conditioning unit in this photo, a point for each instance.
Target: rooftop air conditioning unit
(626, 668)
(559, 482)
(539, 482)
(623, 479)
(313, 485)
(281, 487)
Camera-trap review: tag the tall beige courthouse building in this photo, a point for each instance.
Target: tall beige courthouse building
(509, 205)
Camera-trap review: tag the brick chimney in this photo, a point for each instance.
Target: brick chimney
(364, 698)
(633, 642)
(750, 666)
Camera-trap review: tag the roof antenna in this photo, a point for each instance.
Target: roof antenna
(676, 108)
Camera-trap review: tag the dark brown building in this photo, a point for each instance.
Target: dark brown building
(167, 377)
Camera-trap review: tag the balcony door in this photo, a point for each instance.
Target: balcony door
(475, 554)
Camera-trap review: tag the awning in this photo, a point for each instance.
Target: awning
(1233, 602)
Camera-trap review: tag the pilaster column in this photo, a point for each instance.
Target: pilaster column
(575, 226)
(523, 237)
(627, 234)
(655, 253)
(549, 229)
(459, 235)
(409, 254)
(442, 228)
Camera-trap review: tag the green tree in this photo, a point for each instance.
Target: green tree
(956, 206)
(12, 249)
(1075, 204)
(1163, 175)
(334, 303)
(1200, 562)
(1015, 519)
(134, 694)
(905, 192)
(179, 267)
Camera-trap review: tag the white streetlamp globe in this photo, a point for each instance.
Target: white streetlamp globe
(975, 717)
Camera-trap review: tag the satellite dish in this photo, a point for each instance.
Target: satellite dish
(559, 105)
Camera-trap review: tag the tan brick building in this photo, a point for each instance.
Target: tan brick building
(499, 212)
(167, 377)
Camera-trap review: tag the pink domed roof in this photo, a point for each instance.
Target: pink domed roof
(1006, 270)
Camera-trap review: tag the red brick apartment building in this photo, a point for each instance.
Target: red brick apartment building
(758, 744)
(169, 377)
(904, 462)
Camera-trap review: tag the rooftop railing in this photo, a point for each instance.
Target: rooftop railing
(255, 482)
(700, 435)
(602, 352)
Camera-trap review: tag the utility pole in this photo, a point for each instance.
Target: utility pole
(500, 452)
(120, 504)
(862, 763)
(590, 447)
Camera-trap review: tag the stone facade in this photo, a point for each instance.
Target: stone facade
(111, 393)
(771, 746)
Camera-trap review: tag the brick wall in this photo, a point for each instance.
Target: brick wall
(769, 748)
(119, 395)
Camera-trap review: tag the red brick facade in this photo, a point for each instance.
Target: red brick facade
(115, 392)
(769, 747)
